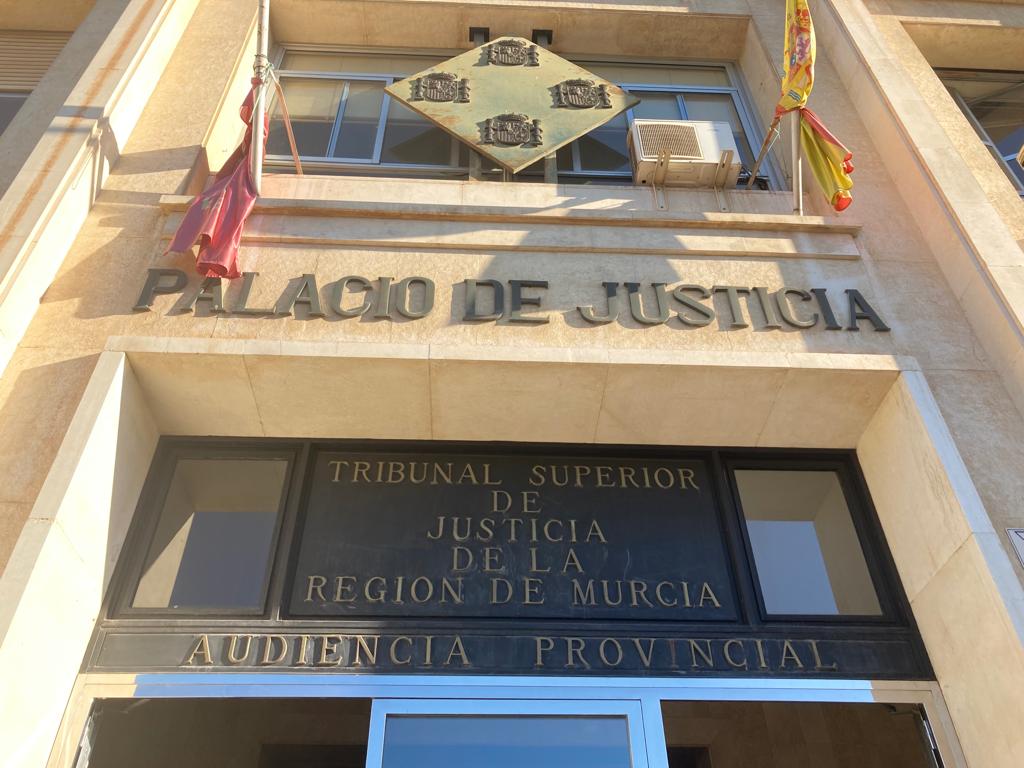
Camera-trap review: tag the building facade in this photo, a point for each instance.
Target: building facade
(472, 466)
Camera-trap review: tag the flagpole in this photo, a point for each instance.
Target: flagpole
(798, 176)
(769, 140)
(260, 67)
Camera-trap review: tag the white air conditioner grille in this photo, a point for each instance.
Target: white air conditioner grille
(680, 140)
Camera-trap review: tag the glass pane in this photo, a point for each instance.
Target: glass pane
(313, 107)
(409, 138)
(213, 541)
(719, 108)
(604, 148)
(563, 162)
(359, 122)
(441, 741)
(806, 551)
(10, 103)
(1003, 121)
(657, 106)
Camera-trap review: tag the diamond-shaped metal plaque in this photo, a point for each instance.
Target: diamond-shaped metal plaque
(512, 100)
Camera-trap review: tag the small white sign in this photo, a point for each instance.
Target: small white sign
(1017, 539)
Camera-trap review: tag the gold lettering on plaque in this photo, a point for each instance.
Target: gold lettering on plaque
(233, 656)
(532, 590)
(686, 477)
(817, 658)
(362, 647)
(762, 662)
(344, 585)
(377, 596)
(661, 598)
(315, 583)
(581, 597)
(573, 651)
(268, 649)
(645, 655)
(494, 591)
(595, 530)
(458, 649)
(534, 566)
(727, 652)
(393, 651)
(303, 647)
(201, 647)
(704, 653)
(789, 653)
(447, 590)
(544, 645)
(574, 561)
(328, 647)
(603, 653)
(707, 595)
(417, 594)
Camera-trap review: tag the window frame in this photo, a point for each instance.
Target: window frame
(630, 709)
(151, 502)
(865, 522)
(720, 462)
(739, 95)
(1006, 161)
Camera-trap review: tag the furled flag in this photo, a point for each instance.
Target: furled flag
(830, 161)
(216, 217)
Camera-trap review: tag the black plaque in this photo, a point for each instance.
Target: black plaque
(530, 537)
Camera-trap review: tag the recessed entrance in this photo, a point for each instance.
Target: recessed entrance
(421, 733)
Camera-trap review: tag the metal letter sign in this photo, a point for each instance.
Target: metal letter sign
(512, 101)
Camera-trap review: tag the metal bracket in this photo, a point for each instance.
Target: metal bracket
(721, 174)
(658, 180)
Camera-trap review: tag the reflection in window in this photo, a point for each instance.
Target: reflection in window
(212, 544)
(807, 555)
(993, 102)
(344, 123)
(442, 741)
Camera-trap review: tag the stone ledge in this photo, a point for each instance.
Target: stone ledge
(534, 229)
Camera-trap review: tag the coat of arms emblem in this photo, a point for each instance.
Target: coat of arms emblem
(512, 130)
(582, 94)
(510, 52)
(440, 86)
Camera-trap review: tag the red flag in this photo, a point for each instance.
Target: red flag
(216, 217)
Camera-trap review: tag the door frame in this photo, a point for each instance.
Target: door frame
(636, 697)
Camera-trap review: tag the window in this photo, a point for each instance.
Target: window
(417, 733)
(213, 541)
(10, 103)
(993, 102)
(345, 123)
(807, 555)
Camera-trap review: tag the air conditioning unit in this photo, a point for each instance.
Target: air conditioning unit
(683, 153)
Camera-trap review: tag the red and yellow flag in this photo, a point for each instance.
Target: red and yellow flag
(830, 161)
(798, 58)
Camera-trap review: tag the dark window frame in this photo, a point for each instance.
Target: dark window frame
(865, 522)
(147, 518)
(720, 462)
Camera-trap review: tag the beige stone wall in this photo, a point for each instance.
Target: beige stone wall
(909, 261)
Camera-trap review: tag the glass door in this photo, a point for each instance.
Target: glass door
(466, 733)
